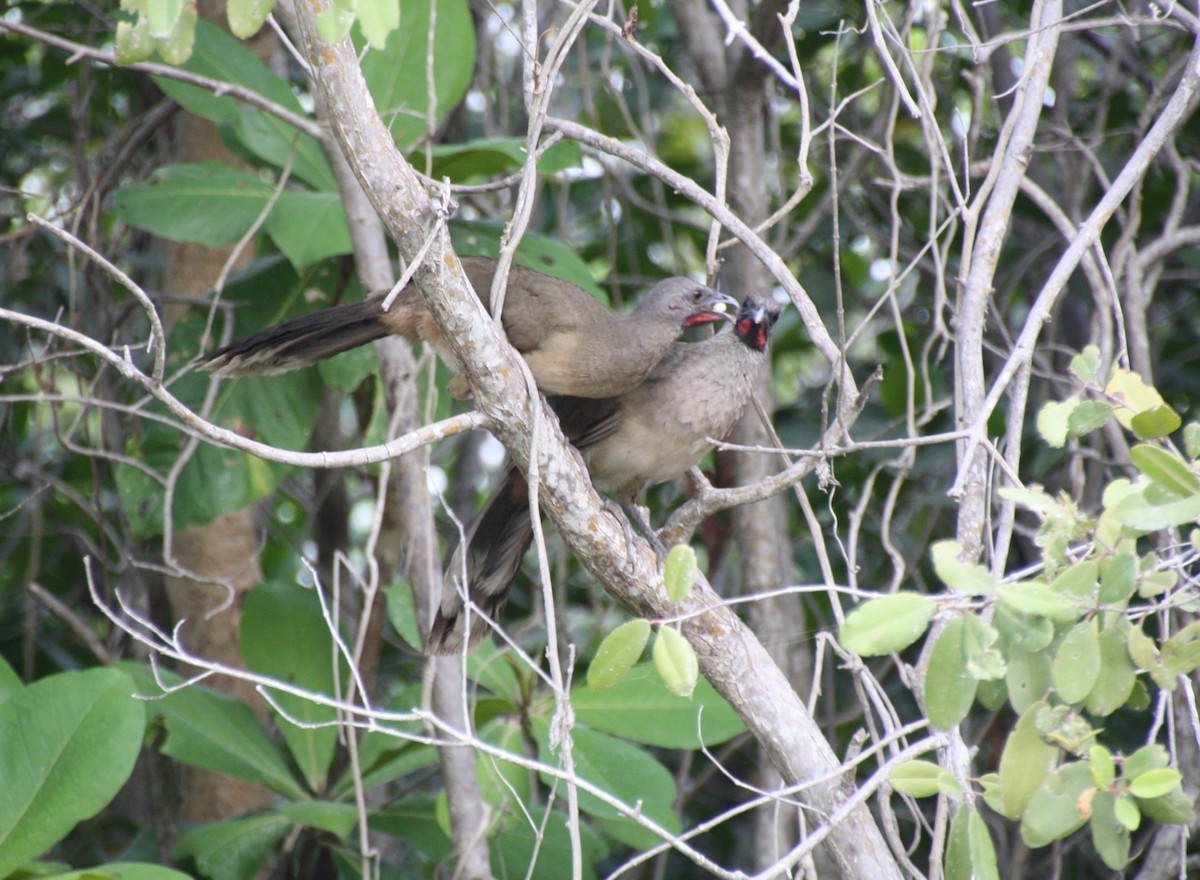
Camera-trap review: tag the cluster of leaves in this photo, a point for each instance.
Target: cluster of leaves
(72, 739)
(1066, 647)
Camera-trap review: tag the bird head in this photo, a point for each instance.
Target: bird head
(688, 302)
(754, 322)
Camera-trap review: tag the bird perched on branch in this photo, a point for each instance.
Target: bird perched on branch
(573, 344)
(651, 434)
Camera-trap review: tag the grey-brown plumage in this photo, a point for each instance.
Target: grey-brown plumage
(651, 434)
(572, 342)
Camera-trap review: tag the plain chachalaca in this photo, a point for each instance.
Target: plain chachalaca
(572, 342)
(651, 434)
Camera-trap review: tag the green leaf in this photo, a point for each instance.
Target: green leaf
(403, 614)
(163, 15)
(1076, 664)
(1055, 808)
(1145, 760)
(1119, 578)
(1086, 365)
(109, 871)
(378, 19)
(10, 682)
(398, 75)
(308, 227)
(887, 624)
(176, 47)
(1126, 811)
(134, 41)
(337, 819)
(1132, 396)
(245, 17)
(69, 744)
(210, 204)
(1156, 423)
(235, 850)
(1088, 416)
(676, 662)
(1109, 836)
(214, 732)
(970, 854)
(1165, 468)
(624, 770)
(1173, 808)
(1155, 783)
(1039, 600)
(545, 843)
(1139, 511)
(679, 573)
(1191, 439)
(1117, 676)
(949, 687)
(640, 708)
(335, 21)
(1028, 677)
(618, 654)
(965, 577)
(284, 636)
(915, 778)
(1078, 581)
(482, 158)
(482, 238)
(1104, 768)
(275, 141)
(1053, 420)
(1026, 762)
(1181, 652)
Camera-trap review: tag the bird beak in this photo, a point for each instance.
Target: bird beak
(717, 307)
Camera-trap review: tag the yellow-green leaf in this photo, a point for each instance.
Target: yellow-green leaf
(887, 624)
(679, 572)
(618, 654)
(915, 778)
(1155, 783)
(965, 577)
(676, 662)
(1165, 468)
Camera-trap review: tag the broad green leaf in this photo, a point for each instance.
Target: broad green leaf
(970, 854)
(275, 141)
(482, 158)
(1132, 396)
(624, 770)
(403, 614)
(308, 227)
(887, 624)
(965, 577)
(1139, 511)
(1191, 439)
(1053, 419)
(1117, 675)
(1039, 600)
(1181, 652)
(69, 744)
(1076, 664)
(618, 654)
(1027, 678)
(283, 636)
(1055, 809)
(1086, 365)
(337, 819)
(214, 732)
(676, 662)
(10, 682)
(1146, 759)
(949, 687)
(378, 19)
(235, 850)
(641, 709)
(503, 784)
(1119, 578)
(915, 778)
(482, 238)
(1165, 468)
(513, 850)
(1088, 416)
(1155, 783)
(247, 16)
(1104, 768)
(1025, 764)
(210, 204)
(117, 871)
(398, 75)
(679, 572)
(1109, 836)
(1078, 581)
(1126, 811)
(1173, 808)
(1156, 423)
(1022, 630)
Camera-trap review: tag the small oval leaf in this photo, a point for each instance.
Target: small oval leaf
(1155, 783)
(676, 662)
(1076, 664)
(618, 654)
(679, 573)
(1165, 468)
(915, 778)
(887, 624)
